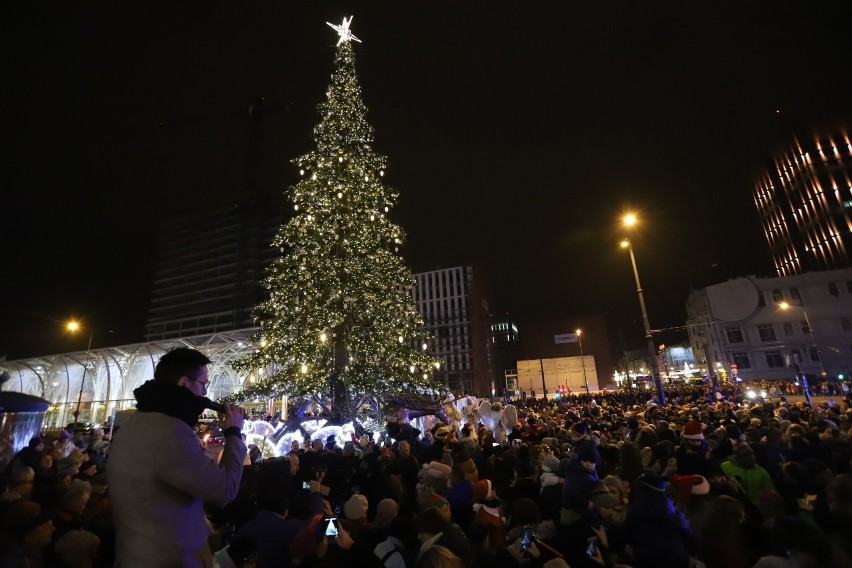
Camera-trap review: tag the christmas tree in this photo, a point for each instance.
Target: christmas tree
(340, 323)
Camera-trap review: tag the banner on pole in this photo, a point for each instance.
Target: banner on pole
(565, 338)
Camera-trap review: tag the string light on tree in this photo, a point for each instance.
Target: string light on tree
(339, 317)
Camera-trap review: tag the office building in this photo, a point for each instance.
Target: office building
(805, 202)
(455, 309)
(209, 272)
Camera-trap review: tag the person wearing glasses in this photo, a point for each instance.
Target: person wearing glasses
(159, 474)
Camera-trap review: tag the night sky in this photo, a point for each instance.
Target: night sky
(517, 134)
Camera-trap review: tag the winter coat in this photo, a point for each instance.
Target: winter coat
(159, 478)
(577, 489)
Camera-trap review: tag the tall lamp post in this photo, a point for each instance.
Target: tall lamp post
(74, 327)
(630, 220)
(579, 332)
(805, 386)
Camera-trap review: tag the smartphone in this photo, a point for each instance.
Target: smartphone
(331, 529)
(526, 538)
(592, 548)
(306, 485)
(495, 444)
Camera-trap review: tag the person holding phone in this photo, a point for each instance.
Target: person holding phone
(327, 539)
(526, 546)
(271, 531)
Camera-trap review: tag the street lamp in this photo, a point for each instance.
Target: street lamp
(74, 327)
(806, 387)
(629, 221)
(579, 332)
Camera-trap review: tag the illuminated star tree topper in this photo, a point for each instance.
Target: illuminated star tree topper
(343, 30)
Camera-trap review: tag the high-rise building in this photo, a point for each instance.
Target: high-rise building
(805, 199)
(454, 305)
(209, 271)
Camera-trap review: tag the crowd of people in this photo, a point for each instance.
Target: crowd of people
(611, 479)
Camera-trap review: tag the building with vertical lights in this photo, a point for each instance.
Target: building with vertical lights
(455, 309)
(805, 198)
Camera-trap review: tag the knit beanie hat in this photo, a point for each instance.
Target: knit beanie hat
(438, 470)
(356, 507)
(550, 463)
(580, 428)
(692, 431)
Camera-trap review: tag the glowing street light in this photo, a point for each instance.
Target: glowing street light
(629, 220)
(73, 327)
(579, 332)
(784, 306)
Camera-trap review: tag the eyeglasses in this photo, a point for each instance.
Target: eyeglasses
(204, 384)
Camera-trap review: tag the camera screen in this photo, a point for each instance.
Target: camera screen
(306, 485)
(331, 530)
(526, 538)
(592, 548)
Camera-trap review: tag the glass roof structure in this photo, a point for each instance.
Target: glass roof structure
(102, 380)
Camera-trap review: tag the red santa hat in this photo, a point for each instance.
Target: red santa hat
(688, 485)
(692, 431)
(483, 490)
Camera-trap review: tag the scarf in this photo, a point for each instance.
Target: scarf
(173, 400)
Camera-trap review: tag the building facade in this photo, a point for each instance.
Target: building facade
(556, 337)
(209, 272)
(768, 328)
(455, 309)
(805, 202)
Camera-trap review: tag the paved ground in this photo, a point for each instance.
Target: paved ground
(816, 400)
